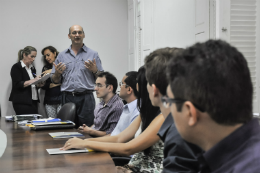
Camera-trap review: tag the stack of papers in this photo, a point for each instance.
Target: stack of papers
(22, 117)
(66, 135)
(58, 151)
(51, 125)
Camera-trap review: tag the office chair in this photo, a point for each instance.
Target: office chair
(67, 112)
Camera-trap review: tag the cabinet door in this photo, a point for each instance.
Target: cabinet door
(201, 20)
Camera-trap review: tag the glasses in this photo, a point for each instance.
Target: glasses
(75, 32)
(121, 83)
(167, 102)
(100, 86)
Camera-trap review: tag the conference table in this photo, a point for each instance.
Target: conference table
(26, 152)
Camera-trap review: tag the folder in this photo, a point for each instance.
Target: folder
(66, 135)
(58, 151)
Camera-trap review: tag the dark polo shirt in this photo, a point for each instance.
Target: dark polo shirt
(237, 153)
(179, 155)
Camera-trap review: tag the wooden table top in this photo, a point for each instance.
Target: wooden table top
(26, 152)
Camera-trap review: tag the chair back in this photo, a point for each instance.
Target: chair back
(67, 112)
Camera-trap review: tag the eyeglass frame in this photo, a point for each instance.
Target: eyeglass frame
(121, 84)
(96, 85)
(79, 32)
(165, 100)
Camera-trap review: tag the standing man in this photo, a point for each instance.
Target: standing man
(76, 69)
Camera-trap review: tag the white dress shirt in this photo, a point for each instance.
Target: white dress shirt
(29, 71)
(130, 112)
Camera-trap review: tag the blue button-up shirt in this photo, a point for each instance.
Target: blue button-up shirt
(130, 112)
(76, 77)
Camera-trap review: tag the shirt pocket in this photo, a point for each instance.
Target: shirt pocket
(69, 67)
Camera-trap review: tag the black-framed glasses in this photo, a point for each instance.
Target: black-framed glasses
(167, 102)
(75, 32)
(121, 84)
(100, 85)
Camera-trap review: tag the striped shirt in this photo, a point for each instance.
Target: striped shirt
(107, 115)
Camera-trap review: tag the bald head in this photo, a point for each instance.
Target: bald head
(76, 26)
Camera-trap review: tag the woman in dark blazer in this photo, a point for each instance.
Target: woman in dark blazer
(24, 96)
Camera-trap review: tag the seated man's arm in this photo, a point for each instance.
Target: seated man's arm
(94, 132)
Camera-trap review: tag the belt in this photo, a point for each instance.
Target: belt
(78, 93)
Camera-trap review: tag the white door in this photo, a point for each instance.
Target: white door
(131, 36)
(239, 25)
(201, 20)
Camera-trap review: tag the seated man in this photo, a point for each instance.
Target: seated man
(128, 93)
(179, 156)
(210, 96)
(108, 111)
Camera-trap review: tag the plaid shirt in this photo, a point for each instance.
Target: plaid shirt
(107, 116)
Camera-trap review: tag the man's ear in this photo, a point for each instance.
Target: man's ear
(192, 113)
(69, 36)
(130, 90)
(156, 91)
(111, 88)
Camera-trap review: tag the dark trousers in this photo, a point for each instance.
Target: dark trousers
(120, 160)
(21, 109)
(85, 105)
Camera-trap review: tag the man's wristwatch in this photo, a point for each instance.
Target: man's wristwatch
(96, 72)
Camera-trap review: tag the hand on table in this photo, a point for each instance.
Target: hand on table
(59, 68)
(84, 129)
(91, 65)
(73, 143)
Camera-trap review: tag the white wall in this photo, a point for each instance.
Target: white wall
(174, 22)
(42, 23)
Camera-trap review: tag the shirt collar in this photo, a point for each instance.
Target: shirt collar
(111, 101)
(168, 122)
(132, 105)
(23, 65)
(84, 48)
(227, 145)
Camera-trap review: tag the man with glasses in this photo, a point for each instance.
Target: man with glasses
(210, 95)
(128, 93)
(108, 111)
(179, 156)
(76, 69)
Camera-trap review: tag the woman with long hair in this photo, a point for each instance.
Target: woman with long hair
(52, 99)
(24, 95)
(139, 138)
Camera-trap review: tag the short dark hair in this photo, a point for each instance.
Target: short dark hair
(131, 80)
(215, 76)
(110, 79)
(53, 50)
(156, 63)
